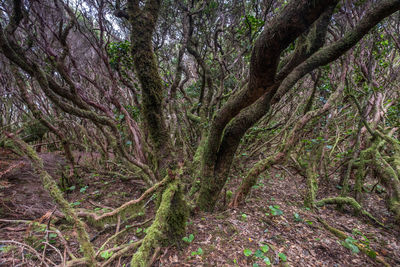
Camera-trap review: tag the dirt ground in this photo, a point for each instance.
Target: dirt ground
(273, 224)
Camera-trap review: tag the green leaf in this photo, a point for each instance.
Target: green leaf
(349, 243)
(188, 239)
(275, 210)
(72, 188)
(247, 252)
(297, 217)
(52, 235)
(264, 248)
(259, 254)
(267, 261)
(77, 203)
(282, 256)
(256, 265)
(371, 253)
(200, 251)
(106, 255)
(83, 189)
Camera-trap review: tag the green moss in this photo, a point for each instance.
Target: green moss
(312, 187)
(168, 226)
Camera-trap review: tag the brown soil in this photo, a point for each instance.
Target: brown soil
(22, 195)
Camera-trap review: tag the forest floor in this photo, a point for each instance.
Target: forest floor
(273, 223)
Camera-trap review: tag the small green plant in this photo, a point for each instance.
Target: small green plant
(257, 185)
(379, 189)
(52, 237)
(259, 254)
(282, 256)
(267, 261)
(243, 217)
(247, 252)
(199, 252)
(229, 194)
(106, 254)
(83, 189)
(350, 243)
(275, 210)
(5, 249)
(71, 188)
(297, 217)
(188, 239)
(264, 248)
(76, 203)
(365, 241)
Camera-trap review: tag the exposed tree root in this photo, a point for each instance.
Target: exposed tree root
(347, 201)
(341, 235)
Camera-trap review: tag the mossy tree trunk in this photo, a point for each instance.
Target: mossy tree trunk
(246, 107)
(143, 21)
(312, 184)
(251, 103)
(169, 224)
